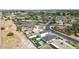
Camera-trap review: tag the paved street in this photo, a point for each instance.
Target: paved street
(65, 36)
(61, 34)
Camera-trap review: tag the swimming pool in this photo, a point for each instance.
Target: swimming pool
(38, 41)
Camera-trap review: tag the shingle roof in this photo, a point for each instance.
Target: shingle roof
(48, 37)
(29, 24)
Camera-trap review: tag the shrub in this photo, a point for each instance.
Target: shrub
(2, 28)
(10, 34)
(18, 29)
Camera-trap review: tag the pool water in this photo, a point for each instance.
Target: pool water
(41, 43)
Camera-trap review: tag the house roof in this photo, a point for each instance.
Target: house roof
(49, 37)
(24, 24)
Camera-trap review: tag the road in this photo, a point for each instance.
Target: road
(61, 34)
(64, 36)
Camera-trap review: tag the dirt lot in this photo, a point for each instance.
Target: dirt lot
(18, 40)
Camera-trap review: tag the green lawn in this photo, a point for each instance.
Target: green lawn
(73, 44)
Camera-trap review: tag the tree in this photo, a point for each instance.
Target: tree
(19, 20)
(63, 14)
(75, 27)
(54, 21)
(58, 13)
(18, 29)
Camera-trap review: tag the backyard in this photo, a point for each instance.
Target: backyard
(38, 41)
